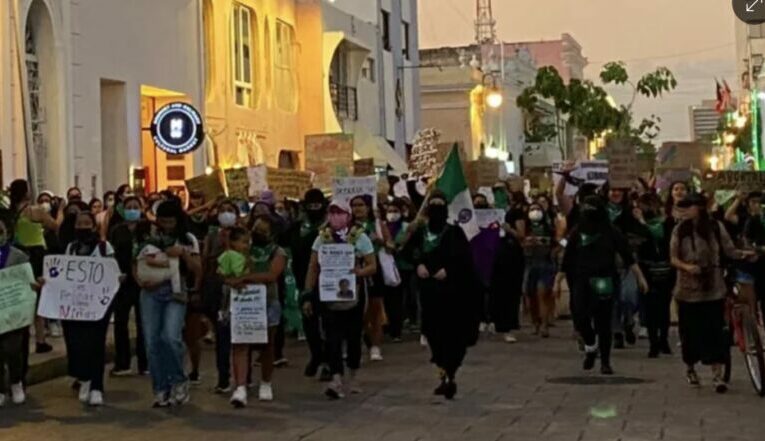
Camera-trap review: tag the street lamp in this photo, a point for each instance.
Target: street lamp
(494, 98)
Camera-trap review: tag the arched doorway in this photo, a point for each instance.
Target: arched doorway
(47, 162)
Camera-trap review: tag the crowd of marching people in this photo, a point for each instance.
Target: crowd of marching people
(624, 253)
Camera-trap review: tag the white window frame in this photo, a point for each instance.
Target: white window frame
(285, 65)
(242, 14)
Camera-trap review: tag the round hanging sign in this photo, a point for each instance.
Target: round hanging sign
(177, 129)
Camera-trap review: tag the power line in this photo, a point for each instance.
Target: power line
(675, 55)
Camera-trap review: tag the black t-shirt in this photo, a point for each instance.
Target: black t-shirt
(199, 227)
(595, 255)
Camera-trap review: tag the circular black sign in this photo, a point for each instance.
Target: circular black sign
(177, 129)
(750, 11)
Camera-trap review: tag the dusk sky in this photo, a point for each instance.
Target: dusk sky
(694, 38)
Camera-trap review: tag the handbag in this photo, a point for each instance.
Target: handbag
(391, 276)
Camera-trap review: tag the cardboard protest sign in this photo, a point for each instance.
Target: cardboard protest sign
(423, 160)
(78, 288)
(593, 171)
(257, 177)
(734, 180)
(364, 167)
(328, 156)
(17, 299)
(345, 189)
(237, 183)
(249, 317)
(290, 184)
(622, 163)
(337, 283)
(209, 185)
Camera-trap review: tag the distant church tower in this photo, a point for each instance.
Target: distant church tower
(485, 25)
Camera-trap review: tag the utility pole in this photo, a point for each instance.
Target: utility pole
(485, 25)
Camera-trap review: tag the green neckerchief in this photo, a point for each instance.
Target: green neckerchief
(656, 227)
(538, 229)
(432, 240)
(588, 239)
(261, 257)
(307, 228)
(198, 218)
(500, 199)
(614, 211)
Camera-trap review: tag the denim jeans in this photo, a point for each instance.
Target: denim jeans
(163, 320)
(626, 303)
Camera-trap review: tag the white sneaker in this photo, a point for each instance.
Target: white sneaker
(17, 393)
(96, 398)
(2, 400)
(335, 388)
(239, 398)
(266, 392)
(510, 338)
(84, 391)
(55, 329)
(482, 327)
(423, 341)
(375, 354)
(491, 329)
(643, 333)
(180, 393)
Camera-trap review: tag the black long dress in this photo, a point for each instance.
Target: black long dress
(450, 308)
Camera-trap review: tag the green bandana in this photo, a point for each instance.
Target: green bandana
(261, 256)
(431, 241)
(588, 239)
(538, 229)
(500, 199)
(614, 211)
(308, 228)
(656, 227)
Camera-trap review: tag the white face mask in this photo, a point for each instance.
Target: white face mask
(393, 217)
(45, 206)
(536, 215)
(227, 219)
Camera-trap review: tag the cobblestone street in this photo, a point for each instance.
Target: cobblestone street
(519, 392)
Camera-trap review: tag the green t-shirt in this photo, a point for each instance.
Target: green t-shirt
(232, 264)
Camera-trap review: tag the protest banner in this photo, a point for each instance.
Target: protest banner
(237, 183)
(364, 167)
(666, 176)
(249, 317)
(78, 288)
(337, 256)
(290, 184)
(345, 189)
(423, 160)
(622, 163)
(485, 218)
(337, 286)
(734, 180)
(257, 177)
(485, 172)
(17, 299)
(328, 156)
(593, 171)
(209, 185)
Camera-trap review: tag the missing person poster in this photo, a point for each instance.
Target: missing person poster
(337, 286)
(337, 256)
(249, 318)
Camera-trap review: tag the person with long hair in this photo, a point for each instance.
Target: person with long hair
(395, 295)
(163, 311)
(124, 238)
(678, 190)
(697, 248)
(364, 216)
(539, 277)
(86, 340)
(342, 320)
(31, 223)
(451, 309)
(589, 264)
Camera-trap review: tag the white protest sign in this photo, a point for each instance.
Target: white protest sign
(486, 217)
(17, 299)
(78, 288)
(257, 177)
(595, 172)
(337, 256)
(345, 189)
(337, 286)
(249, 317)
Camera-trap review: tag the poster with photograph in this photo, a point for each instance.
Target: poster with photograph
(337, 286)
(337, 256)
(249, 318)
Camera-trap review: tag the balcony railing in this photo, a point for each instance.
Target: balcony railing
(345, 101)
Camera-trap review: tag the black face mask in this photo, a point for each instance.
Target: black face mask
(85, 235)
(260, 240)
(437, 216)
(481, 206)
(649, 214)
(315, 215)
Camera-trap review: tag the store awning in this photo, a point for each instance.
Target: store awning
(377, 148)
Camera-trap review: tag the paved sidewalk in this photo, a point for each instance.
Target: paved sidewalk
(507, 392)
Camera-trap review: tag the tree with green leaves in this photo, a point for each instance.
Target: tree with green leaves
(586, 106)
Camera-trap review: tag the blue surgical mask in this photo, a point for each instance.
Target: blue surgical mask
(132, 215)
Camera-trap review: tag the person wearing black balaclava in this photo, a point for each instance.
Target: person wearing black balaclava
(300, 239)
(447, 281)
(589, 262)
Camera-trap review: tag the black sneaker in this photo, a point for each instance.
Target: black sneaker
(693, 378)
(606, 369)
(451, 390)
(441, 389)
(311, 369)
(195, 378)
(43, 348)
(618, 340)
(161, 400)
(589, 360)
(282, 362)
(325, 376)
(665, 348)
(720, 386)
(653, 353)
(630, 337)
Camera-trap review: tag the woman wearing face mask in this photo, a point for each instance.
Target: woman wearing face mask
(163, 312)
(86, 341)
(114, 214)
(697, 247)
(447, 281)
(484, 248)
(215, 244)
(539, 245)
(124, 238)
(364, 216)
(66, 230)
(395, 295)
(342, 320)
(589, 263)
